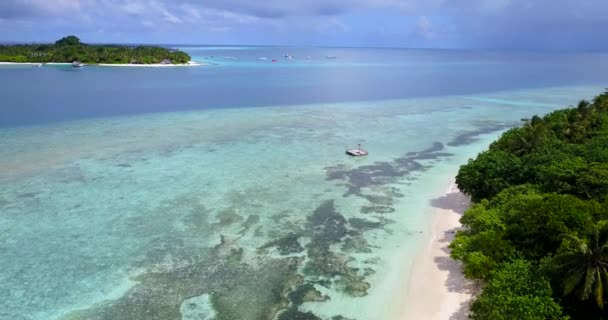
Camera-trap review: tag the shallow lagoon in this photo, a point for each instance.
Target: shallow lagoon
(251, 213)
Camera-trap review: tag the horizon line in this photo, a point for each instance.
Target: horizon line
(490, 49)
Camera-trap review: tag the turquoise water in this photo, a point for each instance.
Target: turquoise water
(232, 213)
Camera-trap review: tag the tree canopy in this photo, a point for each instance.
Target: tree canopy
(536, 234)
(68, 41)
(70, 49)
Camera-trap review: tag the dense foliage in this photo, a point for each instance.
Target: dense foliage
(70, 49)
(537, 235)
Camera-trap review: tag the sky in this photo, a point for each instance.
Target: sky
(462, 24)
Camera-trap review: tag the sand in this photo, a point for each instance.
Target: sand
(437, 289)
(153, 65)
(19, 63)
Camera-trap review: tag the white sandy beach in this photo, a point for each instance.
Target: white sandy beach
(153, 65)
(437, 289)
(18, 63)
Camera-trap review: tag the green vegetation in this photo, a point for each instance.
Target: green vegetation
(70, 49)
(537, 235)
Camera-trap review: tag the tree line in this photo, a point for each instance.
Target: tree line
(537, 233)
(70, 49)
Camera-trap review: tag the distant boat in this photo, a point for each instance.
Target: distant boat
(37, 65)
(288, 57)
(331, 57)
(263, 58)
(308, 57)
(358, 152)
(274, 60)
(77, 64)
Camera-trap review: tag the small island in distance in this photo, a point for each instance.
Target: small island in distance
(69, 49)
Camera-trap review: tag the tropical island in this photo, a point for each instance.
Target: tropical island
(536, 236)
(69, 49)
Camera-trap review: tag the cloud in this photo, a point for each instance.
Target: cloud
(20, 9)
(469, 23)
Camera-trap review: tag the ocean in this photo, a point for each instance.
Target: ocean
(224, 192)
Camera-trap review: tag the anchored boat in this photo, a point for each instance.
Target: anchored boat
(357, 152)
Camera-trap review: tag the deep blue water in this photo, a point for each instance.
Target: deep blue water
(238, 78)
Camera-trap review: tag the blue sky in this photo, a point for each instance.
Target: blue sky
(491, 24)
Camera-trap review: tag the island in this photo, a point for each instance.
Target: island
(537, 234)
(70, 50)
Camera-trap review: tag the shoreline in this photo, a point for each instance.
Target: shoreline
(437, 288)
(151, 65)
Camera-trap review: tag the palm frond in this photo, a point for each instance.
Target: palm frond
(599, 289)
(571, 282)
(589, 282)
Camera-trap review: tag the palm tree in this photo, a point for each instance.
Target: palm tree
(585, 271)
(534, 131)
(601, 101)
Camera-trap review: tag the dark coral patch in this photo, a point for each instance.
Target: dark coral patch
(377, 209)
(322, 262)
(364, 224)
(328, 225)
(306, 293)
(219, 272)
(357, 244)
(469, 137)
(354, 286)
(379, 200)
(286, 245)
(295, 314)
(384, 172)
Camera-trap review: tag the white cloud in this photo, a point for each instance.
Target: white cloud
(485, 22)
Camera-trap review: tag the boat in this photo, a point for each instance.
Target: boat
(77, 64)
(357, 152)
(331, 57)
(37, 65)
(263, 58)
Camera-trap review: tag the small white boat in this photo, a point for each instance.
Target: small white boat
(357, 152)
(37, 65)
(263, 58)
(77, 64)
